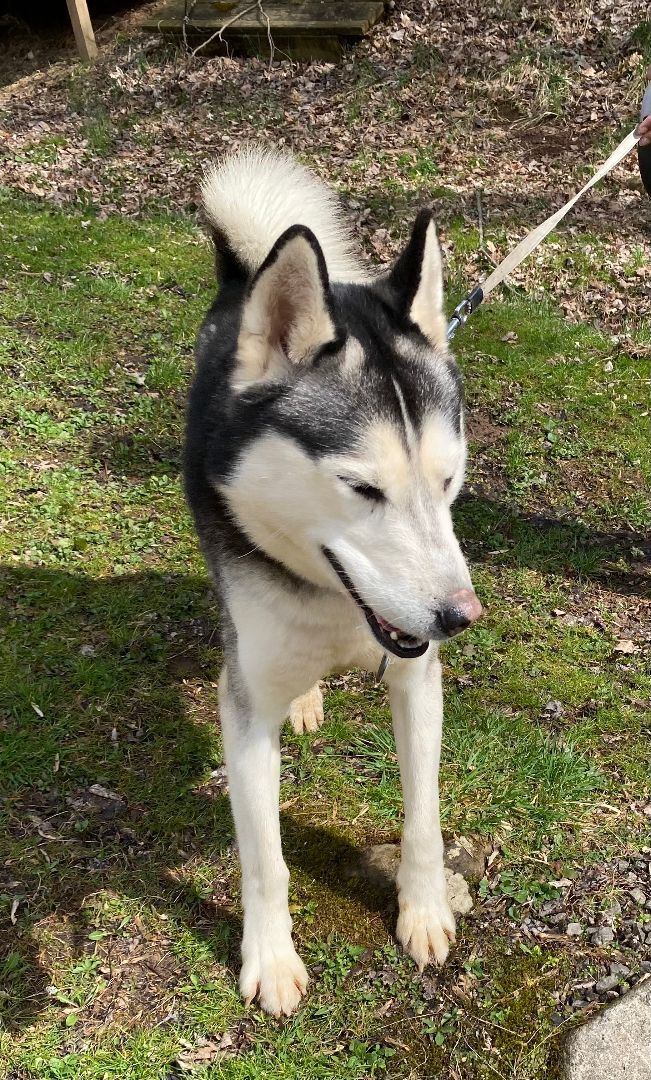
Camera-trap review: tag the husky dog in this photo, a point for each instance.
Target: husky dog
(325, 446)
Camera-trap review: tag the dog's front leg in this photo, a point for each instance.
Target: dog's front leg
(425, 921)
(272, 971)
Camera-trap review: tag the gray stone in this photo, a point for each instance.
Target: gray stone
(616, 1043)
(603, 936)
(459, 896)
(574, 929)
(609, 982)
(379, 864)
(639, 896)
(620, 969)
(466, 855)
(645, 967)
(611, 912)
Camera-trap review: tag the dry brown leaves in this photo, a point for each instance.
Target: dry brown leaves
(515, 99)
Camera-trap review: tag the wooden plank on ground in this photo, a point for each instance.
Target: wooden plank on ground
(310, 18)
(83, 28)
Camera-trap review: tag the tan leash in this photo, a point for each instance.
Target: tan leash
(532, 240)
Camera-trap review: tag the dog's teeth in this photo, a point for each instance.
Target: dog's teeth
(394, 635)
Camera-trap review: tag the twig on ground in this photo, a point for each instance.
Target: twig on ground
(272, 47)
(480, 217)
(186, 18)
(219, 34)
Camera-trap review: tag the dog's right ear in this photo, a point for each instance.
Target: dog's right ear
(287, 314)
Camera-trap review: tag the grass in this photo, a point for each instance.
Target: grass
(121, 901)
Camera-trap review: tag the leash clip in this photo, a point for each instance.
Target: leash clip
(464, 310)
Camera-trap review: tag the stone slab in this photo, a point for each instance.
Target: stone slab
(616, 1043)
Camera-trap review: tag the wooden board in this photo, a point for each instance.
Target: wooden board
(82, 26)
(309, 21)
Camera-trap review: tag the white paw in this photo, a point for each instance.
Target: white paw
(306, 712)
(425, 931)
(274, 973)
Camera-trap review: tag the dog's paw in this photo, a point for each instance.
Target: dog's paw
(274, 974)
(425, 931)
(306, 712)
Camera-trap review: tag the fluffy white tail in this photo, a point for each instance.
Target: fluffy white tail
(253, 195)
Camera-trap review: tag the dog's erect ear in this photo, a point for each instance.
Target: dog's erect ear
(417, 281)
(287, 315)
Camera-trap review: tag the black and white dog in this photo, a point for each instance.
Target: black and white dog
(325, 446)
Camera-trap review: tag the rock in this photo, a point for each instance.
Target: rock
(551, 907)
(379, 864)
(639, 896)
(553, 710)
(459, 896)
(609, 982)
(603, 936)
(574, 929)
(466, 855)
(645, 967)
(620, 970)
(616, 1043)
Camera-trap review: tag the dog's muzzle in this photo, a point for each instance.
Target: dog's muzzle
(389, 637)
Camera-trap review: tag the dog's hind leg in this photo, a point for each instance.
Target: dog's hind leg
(272, 971)
(425, 921)
(306, 711)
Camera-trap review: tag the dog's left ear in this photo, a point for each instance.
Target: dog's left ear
(417, 281)
(287, 315)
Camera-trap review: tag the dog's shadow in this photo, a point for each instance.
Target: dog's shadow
(103, 766)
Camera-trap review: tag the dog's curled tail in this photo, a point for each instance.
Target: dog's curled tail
(254, 194)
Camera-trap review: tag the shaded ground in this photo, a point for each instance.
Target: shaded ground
(118, 877)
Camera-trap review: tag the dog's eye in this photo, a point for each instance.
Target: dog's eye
(446, 483)
(367, 491)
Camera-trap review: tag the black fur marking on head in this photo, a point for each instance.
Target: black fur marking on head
(404, 278)
(283, 240)
(319, 405)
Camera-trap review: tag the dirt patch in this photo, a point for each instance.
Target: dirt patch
(482, 430)
(542, 143)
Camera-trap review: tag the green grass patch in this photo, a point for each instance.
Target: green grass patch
(119, 878)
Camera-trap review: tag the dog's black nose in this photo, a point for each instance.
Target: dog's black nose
(461, 610)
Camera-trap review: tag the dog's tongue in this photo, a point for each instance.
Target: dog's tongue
(386, 625)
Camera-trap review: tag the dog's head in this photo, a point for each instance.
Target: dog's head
(352, 449)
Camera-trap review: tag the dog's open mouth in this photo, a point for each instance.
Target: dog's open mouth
(390, 637)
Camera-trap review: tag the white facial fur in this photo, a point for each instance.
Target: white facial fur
(401, 555)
